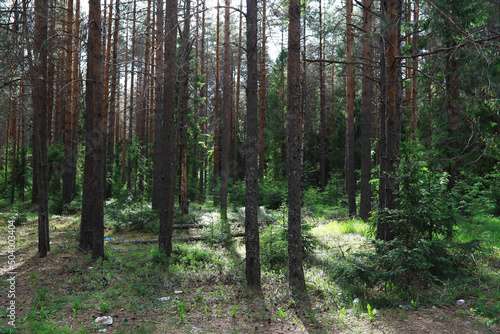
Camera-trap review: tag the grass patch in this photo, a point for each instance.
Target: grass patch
(202, 286)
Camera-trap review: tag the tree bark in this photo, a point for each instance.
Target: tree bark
(294, 159)
(322, 105)
(216, 107)
(110, 151)
(366, 115)
(132, 93)
(390, 116)
(40, 123)
(203, 111)
(253, 273)
(168, 158)
(414, 102)
(350, 173)
(69, 163)
(184, 107)
(226, 110)
(263, 93)
(237, 107)
(159, 134)
(92, 221)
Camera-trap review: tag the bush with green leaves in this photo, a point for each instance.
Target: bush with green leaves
(133, 216)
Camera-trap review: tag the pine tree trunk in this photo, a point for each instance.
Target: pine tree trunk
(294, 160)
(237, 107)
(414, 106)
(183, 108)
(262, 98)
(322, 105)
(203, 94)
(110, 151)
(366, 115)
(132, 93)
(350, 173)
(40, 122)
(159, 134)
(168, 158)
(253, 273)
(390, 113)
(92, 221)
(216, 107)
(226, 110)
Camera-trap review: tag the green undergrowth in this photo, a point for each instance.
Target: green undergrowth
(349, 278)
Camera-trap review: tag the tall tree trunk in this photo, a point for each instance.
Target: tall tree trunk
(40, 122)
(226, 110)
(414, 106)
(253, 273)
(51, 71)
(350, 173)
(184, 107)
(216, 107)
(110, 151)
(124, 125)
(168, 158)
(75, 116)
(294, 160)
(131, 113)
(322, 104)
(14, 153)
(238, 92)
(263, 93)
(159, 176)
(92, 221)
(366, 114)
(69, 164)
(203, 94)
(390, 117)
(332, 113)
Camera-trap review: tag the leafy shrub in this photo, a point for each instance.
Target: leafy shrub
(134, 216)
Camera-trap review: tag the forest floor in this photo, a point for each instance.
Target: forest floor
(203, 290)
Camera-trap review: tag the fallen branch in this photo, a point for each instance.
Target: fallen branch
(152, 241)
